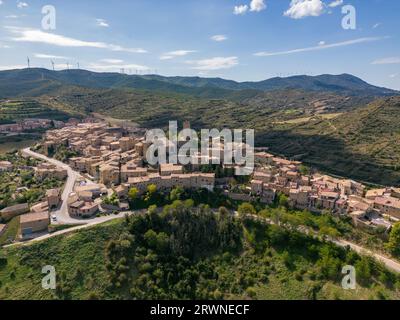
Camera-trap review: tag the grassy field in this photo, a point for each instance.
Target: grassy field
(10, 234)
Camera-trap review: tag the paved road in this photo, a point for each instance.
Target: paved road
(389, 263)
(84, 225)
(61, 213)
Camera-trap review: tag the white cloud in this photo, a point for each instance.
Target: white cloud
(393, 75)
(305, 8)
(48, 56)
(116, 67)
(1, 2)
(376, 25)
(219, 37)
(173, 54)
(216, 63)
(102, 23)
(242, 9)
(38, 36)
(391, 60)
(22, 5)
(257, 5)
(321, 43)
(335, 3)
(320, 47)
(12, 67)
(112, 61)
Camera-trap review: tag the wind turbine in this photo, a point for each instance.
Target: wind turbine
(52, 63)
(78, 65)
(29, 62)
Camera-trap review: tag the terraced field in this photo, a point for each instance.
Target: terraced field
(11, 111)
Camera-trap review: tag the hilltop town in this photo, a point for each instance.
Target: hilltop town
(105, 163)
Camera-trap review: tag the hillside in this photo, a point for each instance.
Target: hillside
(11, 111)
(189, 253)
(151, 109)
(362, 143)
(340, 130)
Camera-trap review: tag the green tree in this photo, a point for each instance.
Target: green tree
(363, 269)
(304, 170)
(393, 244)
(151, 189)
(246, 209)
(176, 194)
(133, 194)
(283, 200)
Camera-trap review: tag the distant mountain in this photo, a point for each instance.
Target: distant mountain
(344, 83)
(35, 81)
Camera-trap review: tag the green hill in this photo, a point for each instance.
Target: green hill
(360, 143)
(14, 110)
(43, 80)
(189, 253)
(325, 121)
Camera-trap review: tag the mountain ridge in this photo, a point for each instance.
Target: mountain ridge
(210, 88)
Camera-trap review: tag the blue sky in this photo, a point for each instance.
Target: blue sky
(244, 40)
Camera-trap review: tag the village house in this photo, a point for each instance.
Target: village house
(299, 197)
(33, 222)
(40, 207)
(96, 190)
(268, 195)
(187, 181)
(131, 170)
(388, 205)
(127, 143)
(6, 166)
(369, 221)
(53, 198)
(169, 169)
(78, 208)
(47, 170)
(13, 211)
(109, 174)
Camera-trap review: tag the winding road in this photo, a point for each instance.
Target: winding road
(62, 212)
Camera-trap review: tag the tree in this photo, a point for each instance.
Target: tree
(133, 194)
(176, 194)
(304, 170)
(151, 189)
(363, 269)
(283, 201)
(330, 232)
(246, 209)
(393, 244)
(159, 242)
